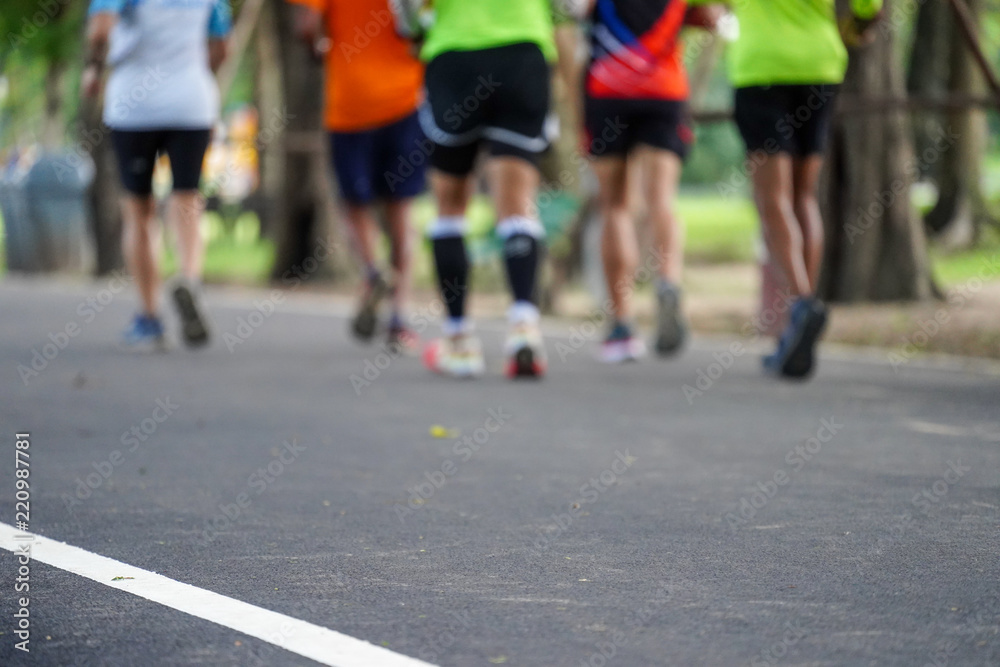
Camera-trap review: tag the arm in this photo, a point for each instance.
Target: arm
(855, 26)
(578, 9)
(101, 21)
(308, 25)
(705, 16)
(220, 24)
(407, 15)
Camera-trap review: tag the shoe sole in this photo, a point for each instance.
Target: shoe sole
(622, 352)
(525, 364)
(800, 362)
(366, 321)
(398, 345)
(193, 328)
(671, 331)
(430, 357)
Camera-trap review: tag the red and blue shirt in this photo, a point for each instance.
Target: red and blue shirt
(636, 52)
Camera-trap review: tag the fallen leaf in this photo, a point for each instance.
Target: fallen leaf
(438, 431)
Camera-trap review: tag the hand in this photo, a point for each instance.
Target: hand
(856, 31)
(90, 82)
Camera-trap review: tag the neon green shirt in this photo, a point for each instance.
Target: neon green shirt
(471, 25)
(790, 42)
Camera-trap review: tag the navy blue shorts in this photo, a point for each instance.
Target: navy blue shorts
(386, 162)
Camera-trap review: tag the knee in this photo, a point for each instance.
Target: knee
(661, 209)
(614, 216)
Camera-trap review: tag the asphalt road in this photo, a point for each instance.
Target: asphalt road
(851, 520)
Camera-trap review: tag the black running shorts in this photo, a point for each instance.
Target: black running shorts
(792, 119)
(137, 151)
(497, 97)
(616, 126)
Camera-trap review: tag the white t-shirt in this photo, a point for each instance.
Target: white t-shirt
(160, 76)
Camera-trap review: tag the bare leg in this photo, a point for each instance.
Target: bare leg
(364, 232)
(397, 214)
(141, 247)
(662, 170)
(619, 246)
(805, 179)
(513, 184)
(185, 212)
(772, 185)
(452, 193)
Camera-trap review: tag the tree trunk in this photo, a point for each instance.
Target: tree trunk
(105, 213)
(52, 123)
(928, 75)
(876, 248)
(303, 209)
(961, 209)
(267, 93)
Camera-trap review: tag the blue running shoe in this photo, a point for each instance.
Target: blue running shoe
(796, 353)
(145, 334)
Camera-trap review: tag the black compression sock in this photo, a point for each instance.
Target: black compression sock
(452, 273)
(521, 256)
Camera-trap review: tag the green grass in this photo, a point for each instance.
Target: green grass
(718, 230)
(957, 268)
(229, 262)
(238, 257)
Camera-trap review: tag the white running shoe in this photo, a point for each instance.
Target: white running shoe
(458, 356)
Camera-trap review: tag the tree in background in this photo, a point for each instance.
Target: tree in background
(876, 246)
(39, 38)
(942, 66)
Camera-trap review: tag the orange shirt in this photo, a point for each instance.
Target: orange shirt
(372, 78)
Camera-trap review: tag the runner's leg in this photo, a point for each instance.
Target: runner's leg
(141, 248)
(619, 246)
(805, 179)
(773, 194)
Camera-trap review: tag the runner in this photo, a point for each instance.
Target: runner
(783, 107)
(638, 126)
(161, 98)
(373, 85)
(488, 86)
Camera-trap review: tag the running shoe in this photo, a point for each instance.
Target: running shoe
(525, 351)
(402, 339)
(671, 328)
(144, 334)
(365, 322)
(621, 345)
(458, 356)
(795, 356)
(194, 322)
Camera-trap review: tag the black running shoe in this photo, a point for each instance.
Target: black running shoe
(671, 329)
(365, 322)
(194, 322)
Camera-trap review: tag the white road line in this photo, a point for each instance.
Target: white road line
(308, 640)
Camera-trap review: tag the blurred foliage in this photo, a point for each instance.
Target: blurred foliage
(36, 35)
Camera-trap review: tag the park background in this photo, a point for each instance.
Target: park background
(890, 267)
